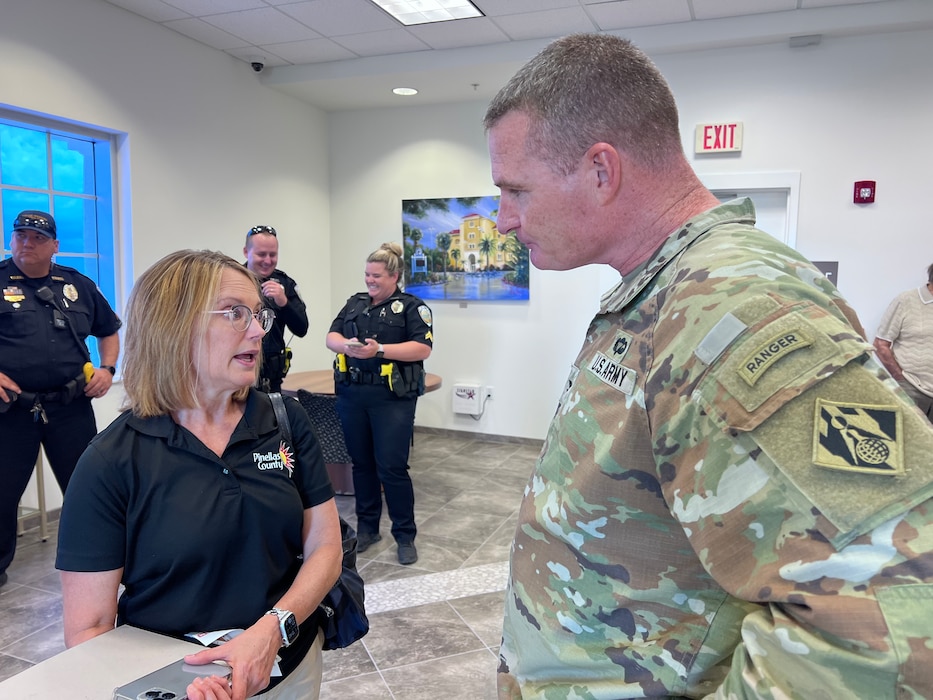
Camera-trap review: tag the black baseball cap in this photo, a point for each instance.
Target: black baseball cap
(38, 221)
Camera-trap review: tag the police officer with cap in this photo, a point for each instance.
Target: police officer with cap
(279, 293)
(46, 378)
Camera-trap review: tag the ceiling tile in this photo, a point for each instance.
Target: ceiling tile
(713, 9)
(312, 51)
(826, 3)
(251, 53)
(497, 8)
(266, 26)
(638, 13)
(200, 30)
(382, 43)
(548, 23)
(200, 8)
(475, 31)
(156, 10)
(339, 17)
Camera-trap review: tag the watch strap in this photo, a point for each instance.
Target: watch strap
(283, 616)
(109, 368)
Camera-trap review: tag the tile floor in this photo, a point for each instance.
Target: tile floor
(434, 626)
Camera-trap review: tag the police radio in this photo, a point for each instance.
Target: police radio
(61, 321)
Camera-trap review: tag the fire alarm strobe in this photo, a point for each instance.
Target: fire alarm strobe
(864, 192)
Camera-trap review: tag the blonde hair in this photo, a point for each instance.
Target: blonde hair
(165, 320)
(390, 255)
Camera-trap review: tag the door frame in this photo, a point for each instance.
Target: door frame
(787, 181)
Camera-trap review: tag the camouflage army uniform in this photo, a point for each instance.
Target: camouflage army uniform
(732, 500)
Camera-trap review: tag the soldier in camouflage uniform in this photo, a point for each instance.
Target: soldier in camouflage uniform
(733, 499)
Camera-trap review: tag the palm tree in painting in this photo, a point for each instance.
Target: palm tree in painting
(486, 246)
(517, 254)
(443, 245)
(455, 256)
(419, 208)
(406, 234)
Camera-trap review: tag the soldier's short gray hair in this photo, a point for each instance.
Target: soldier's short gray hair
(589, 88)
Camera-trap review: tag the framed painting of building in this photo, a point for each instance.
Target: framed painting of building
(453, 250)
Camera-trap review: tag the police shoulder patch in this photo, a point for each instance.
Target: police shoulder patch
(425, 314)
(858, 438)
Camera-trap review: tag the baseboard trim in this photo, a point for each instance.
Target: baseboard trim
(483, 437)
(33, 519)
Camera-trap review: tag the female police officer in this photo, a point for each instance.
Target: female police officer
(381, 337)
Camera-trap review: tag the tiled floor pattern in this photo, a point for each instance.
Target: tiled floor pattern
(434, 626)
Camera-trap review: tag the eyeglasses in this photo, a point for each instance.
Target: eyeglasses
(240, 317)
(260, 229)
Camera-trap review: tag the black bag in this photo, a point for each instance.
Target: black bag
(345, 620)
(343, 607)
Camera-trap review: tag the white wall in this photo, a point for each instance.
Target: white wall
(524, 350)
(211, 151)
(849, 109)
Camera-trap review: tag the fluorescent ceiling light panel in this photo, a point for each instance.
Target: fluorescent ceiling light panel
(410, 12)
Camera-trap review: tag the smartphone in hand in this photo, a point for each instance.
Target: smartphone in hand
(169, 682)
(354, 344)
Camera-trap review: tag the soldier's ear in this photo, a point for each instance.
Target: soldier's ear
(606, 165)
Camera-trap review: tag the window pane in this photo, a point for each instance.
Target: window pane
(23, 159)
(76, 220)
(13, 202)
(81, 199)
(72, 165)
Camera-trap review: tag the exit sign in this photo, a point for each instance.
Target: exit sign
(718, 138)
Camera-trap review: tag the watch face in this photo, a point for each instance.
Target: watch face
(290, 627)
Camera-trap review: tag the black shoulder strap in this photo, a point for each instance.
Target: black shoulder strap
(278, 405)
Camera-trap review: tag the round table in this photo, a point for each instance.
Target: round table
(321, 381)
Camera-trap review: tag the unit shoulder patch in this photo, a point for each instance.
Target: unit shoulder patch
(858, 438)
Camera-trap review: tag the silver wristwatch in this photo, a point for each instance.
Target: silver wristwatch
(288, 625)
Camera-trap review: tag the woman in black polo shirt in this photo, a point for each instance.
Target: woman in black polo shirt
(192, 500)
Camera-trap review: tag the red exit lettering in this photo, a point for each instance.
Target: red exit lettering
(711, 138)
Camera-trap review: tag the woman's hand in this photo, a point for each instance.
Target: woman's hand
(250, 654)
(209, 688)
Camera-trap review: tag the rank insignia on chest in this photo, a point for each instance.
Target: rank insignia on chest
(13, 294)
(397, 307)
(621, 345)
(70, 292)
(612, 373)
(858, 438)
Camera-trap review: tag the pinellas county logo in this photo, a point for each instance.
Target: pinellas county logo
(283, 459)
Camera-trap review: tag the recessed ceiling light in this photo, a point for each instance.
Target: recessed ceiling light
(404, 91)
(410, 12)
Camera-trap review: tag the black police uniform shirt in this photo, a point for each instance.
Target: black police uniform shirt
(294, 315)
(33, 352)
(398, 319)
(207, 543)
